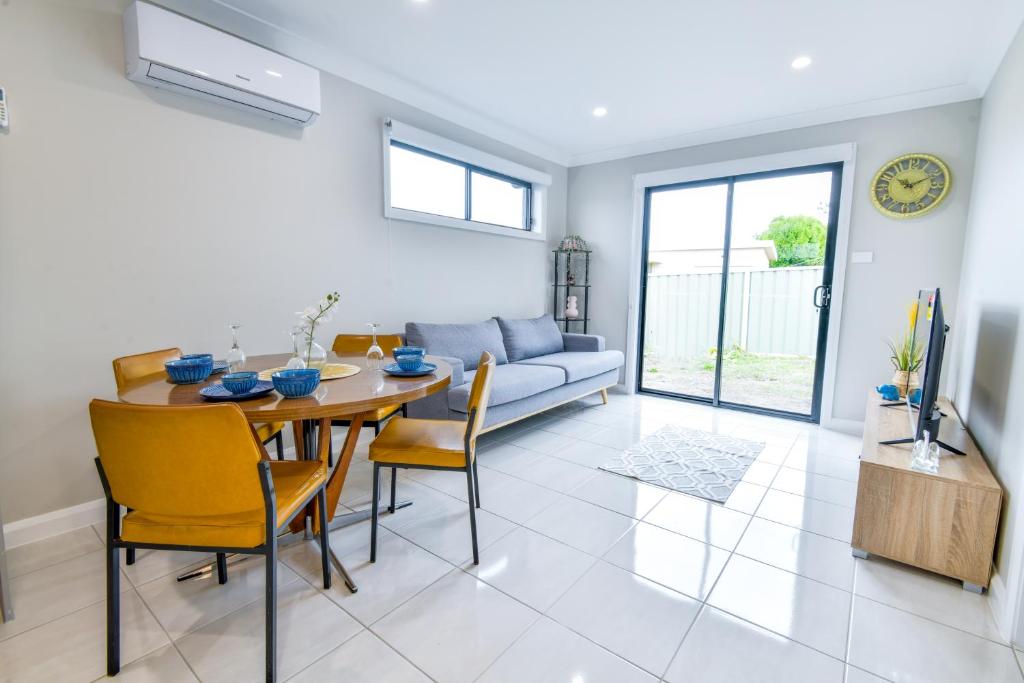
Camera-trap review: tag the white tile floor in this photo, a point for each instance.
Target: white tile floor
(584, 577)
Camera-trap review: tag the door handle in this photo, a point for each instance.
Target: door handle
(822, 296)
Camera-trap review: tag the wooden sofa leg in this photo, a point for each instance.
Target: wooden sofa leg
(604, 396)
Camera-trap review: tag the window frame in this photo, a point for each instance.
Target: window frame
(470, 161)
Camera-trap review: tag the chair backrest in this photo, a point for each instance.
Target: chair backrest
(130, 368)
(480, 394)
(359, 343)
(178, 460)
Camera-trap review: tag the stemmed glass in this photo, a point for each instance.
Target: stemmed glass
(295, 362)
(236, 356)
(375, 354)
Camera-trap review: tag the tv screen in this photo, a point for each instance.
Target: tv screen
(930, 329)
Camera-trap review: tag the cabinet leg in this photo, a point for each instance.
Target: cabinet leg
(857, 552)
(973, 587)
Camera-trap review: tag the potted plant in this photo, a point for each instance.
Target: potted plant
(907, 355)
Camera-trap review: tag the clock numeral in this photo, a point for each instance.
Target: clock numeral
(914, 163)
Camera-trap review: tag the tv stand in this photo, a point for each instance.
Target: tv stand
(944, 522)
(932, 426)
(901, 404)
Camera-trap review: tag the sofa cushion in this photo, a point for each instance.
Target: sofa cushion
(579, 364)
(529, 337)
(510, 382)
(463, 341)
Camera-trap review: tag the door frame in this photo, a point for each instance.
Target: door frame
(842, 153)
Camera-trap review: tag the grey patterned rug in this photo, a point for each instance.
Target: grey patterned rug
(688, 460)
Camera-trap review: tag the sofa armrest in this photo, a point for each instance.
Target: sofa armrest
(435, 406)
(582, 342)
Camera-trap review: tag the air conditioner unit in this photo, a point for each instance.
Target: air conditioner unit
(169, 51)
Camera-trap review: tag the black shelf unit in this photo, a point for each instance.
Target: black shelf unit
(572, 271)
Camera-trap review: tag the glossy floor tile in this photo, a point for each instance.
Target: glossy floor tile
(582, 525)
(635, 618)
(678, 562)
(699, 519)
(721, 648)
(531, 567)
(816, 516)
(551, 653)
(456, 628)
(798, 608)
(901, 646)
(585, 577)
(816, 557)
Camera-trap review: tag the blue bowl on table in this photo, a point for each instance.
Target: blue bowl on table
(240, 382)
(408, 357)
(296, 383)
(189, 370)
(193, 356)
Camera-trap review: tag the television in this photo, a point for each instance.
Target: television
(931, 324)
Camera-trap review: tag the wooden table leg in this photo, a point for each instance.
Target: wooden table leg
(337, 480)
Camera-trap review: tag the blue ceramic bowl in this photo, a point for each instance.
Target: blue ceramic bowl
(193, 356)
(240, 382)
(296, 383)
(189, 370)
(408, 357)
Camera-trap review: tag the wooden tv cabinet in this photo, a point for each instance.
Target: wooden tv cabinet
(945, 522)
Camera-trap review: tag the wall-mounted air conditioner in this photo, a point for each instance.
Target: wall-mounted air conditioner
(169, 51)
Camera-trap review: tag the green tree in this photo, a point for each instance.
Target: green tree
(799, 240)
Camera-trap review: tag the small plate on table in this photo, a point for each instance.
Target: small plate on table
(424, 369)
(219, 366)
(217, 392)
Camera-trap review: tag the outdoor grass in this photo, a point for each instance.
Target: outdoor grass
(764, 380)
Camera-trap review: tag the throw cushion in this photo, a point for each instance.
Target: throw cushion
(526, 338)
(463, 341)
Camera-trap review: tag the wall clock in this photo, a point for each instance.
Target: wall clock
(910, 186)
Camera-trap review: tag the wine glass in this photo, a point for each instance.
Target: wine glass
(295, 362)
(236, 356)
(375, 354)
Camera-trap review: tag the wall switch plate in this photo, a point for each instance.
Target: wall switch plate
(862, 257)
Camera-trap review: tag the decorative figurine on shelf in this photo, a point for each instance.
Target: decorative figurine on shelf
(573, 243)
(571, 311)
(570, 278)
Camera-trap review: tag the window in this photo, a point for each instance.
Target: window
(433, 180)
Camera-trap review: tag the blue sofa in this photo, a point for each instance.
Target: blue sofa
(539, 367)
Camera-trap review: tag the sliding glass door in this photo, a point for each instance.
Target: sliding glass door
(736, 287)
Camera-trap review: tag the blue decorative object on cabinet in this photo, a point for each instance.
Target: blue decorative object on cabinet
(889, 392)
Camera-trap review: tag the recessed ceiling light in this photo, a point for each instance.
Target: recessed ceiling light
(801, 62)
(600, 111)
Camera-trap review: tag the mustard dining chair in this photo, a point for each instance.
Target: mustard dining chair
(411, 443)
(128, 369)
(197, 479)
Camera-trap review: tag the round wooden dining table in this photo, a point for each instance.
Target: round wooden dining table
(349, 398)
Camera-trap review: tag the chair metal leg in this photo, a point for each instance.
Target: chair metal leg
(129, 553)
(325, 548)
(394, 488)
(476, 483)
(472, 513)
(373, 513)
(222, 568)
(271, 608)
(279, 443)
(113, 590)
(376, 428)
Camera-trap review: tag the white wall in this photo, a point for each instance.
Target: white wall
(908, 255)
(988, 347)
(133, 219)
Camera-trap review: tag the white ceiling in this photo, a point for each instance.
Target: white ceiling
(671, 72)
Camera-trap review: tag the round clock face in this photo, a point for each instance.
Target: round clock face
(910, 185)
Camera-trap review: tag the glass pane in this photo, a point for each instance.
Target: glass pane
(684, 282)
(776, 260)
(423, 183)
(497, 201)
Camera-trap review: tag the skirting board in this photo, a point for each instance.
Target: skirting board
(49, 524)
(839, 424)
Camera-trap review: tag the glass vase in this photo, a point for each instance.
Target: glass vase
(312, 354)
